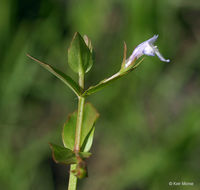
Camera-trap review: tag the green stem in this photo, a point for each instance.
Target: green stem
(72, 178)
(81, 100)
(79, 124)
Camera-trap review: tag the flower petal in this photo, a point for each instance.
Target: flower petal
(153, 39)
(149, 50)
(160, 56)
(145, 48)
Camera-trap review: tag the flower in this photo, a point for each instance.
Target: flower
(145, 48)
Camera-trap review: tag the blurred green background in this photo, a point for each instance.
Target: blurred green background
(149, 126)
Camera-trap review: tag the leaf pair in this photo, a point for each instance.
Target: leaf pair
(80, 59)
(65, 154)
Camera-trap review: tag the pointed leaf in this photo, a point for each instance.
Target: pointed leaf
(68, 135)
(107, 81)
(79, 56)
(101, 84)
(88, 43)
(124, 58)
(60, 75)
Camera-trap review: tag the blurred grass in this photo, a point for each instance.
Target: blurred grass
(148, 131)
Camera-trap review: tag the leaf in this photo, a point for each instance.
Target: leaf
(84, 155)
(106, 82)
(88, 43)
(101, 84)
(66, 156)
(63, 155)
(87, 144)
(90, 115)
(60, 75)
(124, 58)
(69, 130)
(79, 55)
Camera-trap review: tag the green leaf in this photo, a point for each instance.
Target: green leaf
(124, 58)
(63, 155)
(90, 115)
(69, 130)
(79, 56)
(111, 79)
(88, 43)
(87, 143)
(101, 84)
(60, 75)
(66, 156)
(84, 155)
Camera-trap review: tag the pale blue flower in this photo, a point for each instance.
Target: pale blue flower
(146, 48)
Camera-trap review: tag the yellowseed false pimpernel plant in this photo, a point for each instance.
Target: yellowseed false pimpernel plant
(78, 131)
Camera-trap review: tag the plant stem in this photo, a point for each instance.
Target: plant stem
(72, 178)
(81, 100)
(79, 124)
